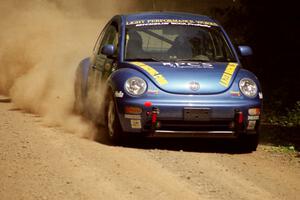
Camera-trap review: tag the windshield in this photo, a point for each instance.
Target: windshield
(176, 43)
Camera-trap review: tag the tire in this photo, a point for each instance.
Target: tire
(249, 143)
(113, 127)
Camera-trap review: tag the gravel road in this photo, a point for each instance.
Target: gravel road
(38, 161)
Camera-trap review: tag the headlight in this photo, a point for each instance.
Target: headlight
(135, 86)
(248, 87)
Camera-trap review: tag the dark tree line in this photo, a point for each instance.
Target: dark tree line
(272, 29)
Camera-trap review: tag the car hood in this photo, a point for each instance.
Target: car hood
(189, 78)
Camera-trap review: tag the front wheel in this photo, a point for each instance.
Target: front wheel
(113, 126)
(249, 143)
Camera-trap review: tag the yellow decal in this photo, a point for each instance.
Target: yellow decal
(227, 75)
(158, 77)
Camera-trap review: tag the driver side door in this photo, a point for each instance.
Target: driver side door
(100, 68)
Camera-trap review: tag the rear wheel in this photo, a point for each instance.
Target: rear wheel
(113, 126)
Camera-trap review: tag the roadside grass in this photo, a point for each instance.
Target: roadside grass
(281, 149)
(280, 139)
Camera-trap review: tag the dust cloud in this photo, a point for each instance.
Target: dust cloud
(41, 44)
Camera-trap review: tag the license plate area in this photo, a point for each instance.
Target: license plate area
(197, 114)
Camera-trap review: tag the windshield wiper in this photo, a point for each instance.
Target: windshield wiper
(189, 60)
(143, 59)
(170, 60)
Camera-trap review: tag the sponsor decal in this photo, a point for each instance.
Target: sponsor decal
(235, 93)
(187, 22)
(152, 91)
(160, 79)
(135, 123)
(128, 116)
(251, 125)
(119, 94)
(254, 117)
(196, 65)
(227, 75)
(260, 94)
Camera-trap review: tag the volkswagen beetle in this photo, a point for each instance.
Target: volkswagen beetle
(169, 74)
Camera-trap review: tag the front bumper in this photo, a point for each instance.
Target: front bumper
(225, 117)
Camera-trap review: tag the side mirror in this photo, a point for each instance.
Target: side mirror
(108, 50)
(245, 50)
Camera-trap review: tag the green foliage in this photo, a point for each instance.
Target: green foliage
(290, 119)
(293, 115)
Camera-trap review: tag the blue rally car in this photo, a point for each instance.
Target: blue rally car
(169, 74)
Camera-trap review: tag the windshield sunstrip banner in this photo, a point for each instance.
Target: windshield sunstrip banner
(187, 22)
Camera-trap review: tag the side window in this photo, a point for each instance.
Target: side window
(99, 40)
(110, 37)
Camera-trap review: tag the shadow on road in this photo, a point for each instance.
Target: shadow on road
(187, 144)
(228, 146)
(272, 136)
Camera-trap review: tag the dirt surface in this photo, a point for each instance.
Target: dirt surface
(42, 162)
(47, 157)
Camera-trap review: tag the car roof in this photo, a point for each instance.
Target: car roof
(166, 15)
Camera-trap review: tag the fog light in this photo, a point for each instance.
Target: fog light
(133, 110)
(254, 111)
